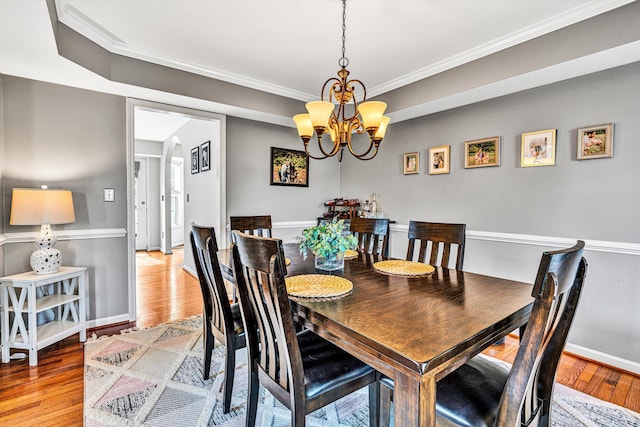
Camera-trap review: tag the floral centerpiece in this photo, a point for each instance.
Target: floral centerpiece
(328, 242)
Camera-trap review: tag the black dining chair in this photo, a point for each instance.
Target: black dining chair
(483, 392)
(301, 369)
(222, 319)
(258, 225)
(436, 240)
(255, 225)
(372, 235)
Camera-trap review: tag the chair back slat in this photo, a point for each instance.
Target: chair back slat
(437, 240)
(272, 339)
(214, 293)
(527, 395)
(372, 234)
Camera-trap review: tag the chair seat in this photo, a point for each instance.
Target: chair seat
(469, 396)
(326, 366)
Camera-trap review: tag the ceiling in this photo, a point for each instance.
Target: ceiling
(291, 47)
(285, 47)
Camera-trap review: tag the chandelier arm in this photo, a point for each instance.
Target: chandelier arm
(335, 81)
(306, 150)
(364, 89)
(325, 154)
(372, 146)
(360, 156)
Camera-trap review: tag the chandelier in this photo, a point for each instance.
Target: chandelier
(341, 115)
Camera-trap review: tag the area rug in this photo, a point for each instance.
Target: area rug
(153, 377)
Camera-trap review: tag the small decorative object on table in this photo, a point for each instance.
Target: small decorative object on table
(328, 243)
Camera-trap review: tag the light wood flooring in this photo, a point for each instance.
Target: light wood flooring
(51, 394)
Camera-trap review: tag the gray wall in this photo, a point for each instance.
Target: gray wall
(535, 208)
(248, 175)
(74, 139)
(596, 200)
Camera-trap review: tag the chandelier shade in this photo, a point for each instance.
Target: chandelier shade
(329, 114)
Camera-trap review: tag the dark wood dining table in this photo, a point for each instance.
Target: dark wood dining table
(415, 330)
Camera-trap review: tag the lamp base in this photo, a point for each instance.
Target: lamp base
(46, 261)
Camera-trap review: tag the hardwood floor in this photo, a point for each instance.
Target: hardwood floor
(51, 394)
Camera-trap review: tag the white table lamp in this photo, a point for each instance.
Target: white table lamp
(34, 206)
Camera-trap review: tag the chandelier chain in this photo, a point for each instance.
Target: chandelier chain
(343, 62)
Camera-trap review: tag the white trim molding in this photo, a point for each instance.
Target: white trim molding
(107, 321)
(608, 359)
(99, 233)
(625, 248)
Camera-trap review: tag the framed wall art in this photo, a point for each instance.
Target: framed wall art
(289, 167)
(439, 159)
(595, 142)
(411, 163)
(481, 153)
(538, 148)
(205, 156)
(195, 160)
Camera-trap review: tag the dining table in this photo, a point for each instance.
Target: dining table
(414, 329)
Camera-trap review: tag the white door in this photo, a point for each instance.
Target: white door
(141, 210)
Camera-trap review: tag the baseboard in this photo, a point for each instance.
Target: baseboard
(106, 321)
(604, 358)
(190, 272)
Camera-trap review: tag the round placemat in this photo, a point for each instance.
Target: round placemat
(403, 268)
(349, 254)
(317, 286)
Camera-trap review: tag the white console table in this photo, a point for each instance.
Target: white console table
(18, 296)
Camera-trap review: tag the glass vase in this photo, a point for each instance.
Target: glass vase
(330, 263)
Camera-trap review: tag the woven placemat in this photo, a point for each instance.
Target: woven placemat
(403, 268)
(318, 286)
(349, 254)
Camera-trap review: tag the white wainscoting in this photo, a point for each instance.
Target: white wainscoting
(511, 257)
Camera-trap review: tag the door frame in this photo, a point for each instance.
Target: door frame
(221, 153)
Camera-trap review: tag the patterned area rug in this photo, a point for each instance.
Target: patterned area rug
(153, 377)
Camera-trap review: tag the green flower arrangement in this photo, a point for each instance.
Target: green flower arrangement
(326, 240)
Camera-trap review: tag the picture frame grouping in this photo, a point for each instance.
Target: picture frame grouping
(201, 157)
(537, 148)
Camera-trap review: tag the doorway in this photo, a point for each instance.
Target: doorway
(140, 211)
(159, 187)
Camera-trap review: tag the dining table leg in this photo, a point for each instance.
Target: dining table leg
(414, 401)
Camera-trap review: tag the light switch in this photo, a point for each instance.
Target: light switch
(109, 194)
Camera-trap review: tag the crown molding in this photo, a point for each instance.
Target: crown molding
(579, 13)
(79, 22)
(76, 20)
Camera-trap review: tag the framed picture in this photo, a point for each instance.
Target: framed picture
(205, 156)
(439, 159)
(481, 153)
(411, 163)
(538, 148)
(595, 142)
(289, 167)
(195, 160)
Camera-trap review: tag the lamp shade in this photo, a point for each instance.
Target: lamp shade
(371, 112)
(303, 123)
(320, 111)
(382, 130)
(34, 206)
